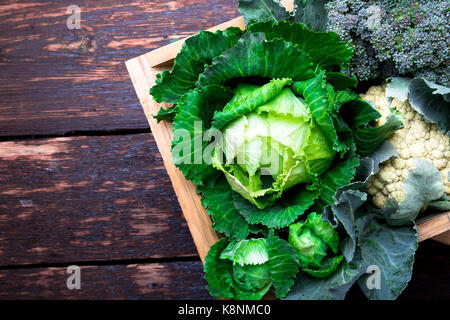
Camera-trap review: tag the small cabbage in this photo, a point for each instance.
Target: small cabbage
(247, 269)
(312, 239)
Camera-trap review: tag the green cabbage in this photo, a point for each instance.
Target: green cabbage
(247, 269)
(312, 239)
(272, 148)
(267, 127)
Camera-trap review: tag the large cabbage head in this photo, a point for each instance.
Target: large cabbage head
(264, 124)
(272, 148)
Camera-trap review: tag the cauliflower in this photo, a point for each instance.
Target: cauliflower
(418, 139)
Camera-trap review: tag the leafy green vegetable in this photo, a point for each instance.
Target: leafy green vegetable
(167, 114)
(312, 13)
(334, 287)
(391, 250)
(284, 212)
(194, 113)
(311, 239)
(271, 143)
(262, 10)
(251, 267)
(268, 129)
(429, 99)
(218, 201)
(422, 187)
(254, 55)
(326, 49)
(190, 62)
(218, 272)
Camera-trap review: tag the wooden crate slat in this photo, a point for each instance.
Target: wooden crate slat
(143, 78)
(88, 199)
(432, 226)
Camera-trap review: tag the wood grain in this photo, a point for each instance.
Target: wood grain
(443, 238)
(184, 280)
(174, 280)
(54, 80)
(433, 225)
(165, 55)
(87, 199)
(143, 78)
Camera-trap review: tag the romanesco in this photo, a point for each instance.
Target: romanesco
(418, 139)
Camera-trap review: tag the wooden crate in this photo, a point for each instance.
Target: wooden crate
(143, 70)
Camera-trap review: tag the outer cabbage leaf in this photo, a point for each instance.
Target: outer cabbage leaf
(218, 201)
(312, 13)
(263, 10)
(246, 252)
(340, 81)
(196, 108)
(422, 186)
(292, 204)
(358, 114)
(167, 114)
(197, 51)
(326, 49)
(283, 264)
(218, 272)
(338, 176)
(317, 97)
(253, 55)
(334, 287)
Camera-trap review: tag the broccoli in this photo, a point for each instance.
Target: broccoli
(395, 37)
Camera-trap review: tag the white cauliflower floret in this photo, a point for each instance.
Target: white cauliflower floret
(418, 139)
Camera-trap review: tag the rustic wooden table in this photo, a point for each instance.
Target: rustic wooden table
(81, 179)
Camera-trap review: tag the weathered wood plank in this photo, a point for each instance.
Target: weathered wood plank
(433, 225)
(87, 199)
(199, 222)
(184, 280)
(174, 280)
(443, 238)
(165, 55)
(54, 80)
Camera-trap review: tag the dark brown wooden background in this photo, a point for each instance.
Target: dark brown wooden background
(81, 179)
